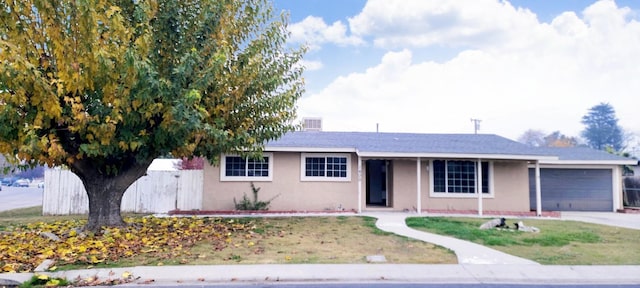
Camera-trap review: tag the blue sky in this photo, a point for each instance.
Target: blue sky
(431, 66)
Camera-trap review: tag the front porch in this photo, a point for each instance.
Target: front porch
(406, 184)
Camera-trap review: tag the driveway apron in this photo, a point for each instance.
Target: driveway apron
(624, 220)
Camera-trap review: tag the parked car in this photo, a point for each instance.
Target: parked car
(8, 181)
(21, 183)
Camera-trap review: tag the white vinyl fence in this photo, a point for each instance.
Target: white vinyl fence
(157, 192)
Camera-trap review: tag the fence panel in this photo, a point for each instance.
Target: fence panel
(190, 189)
(631, 191)
(632, 197)
(157, 192)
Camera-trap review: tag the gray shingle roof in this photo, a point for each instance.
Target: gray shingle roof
(580, 154)
(445, 144)
(406, 143)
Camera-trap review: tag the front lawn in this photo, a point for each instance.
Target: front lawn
(26, 240)
(558, 243)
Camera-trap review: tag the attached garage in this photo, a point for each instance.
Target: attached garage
(573, 189)
(582, 179)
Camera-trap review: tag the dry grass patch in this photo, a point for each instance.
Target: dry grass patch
(315, 240)
(190, 240)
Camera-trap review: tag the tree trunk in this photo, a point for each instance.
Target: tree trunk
(105, 191)
(104, 203)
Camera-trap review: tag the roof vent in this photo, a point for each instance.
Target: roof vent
(312, 124)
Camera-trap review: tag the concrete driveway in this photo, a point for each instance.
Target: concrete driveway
(625, 220)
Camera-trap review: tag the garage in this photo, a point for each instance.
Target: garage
(573, 189)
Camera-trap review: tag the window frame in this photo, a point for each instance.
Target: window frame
(225, 178)
(446, 194)
(325, 178)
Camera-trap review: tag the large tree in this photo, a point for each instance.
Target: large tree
(106, 86)
(602, 129)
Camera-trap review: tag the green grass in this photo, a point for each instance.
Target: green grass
(559, 242)
(24, 216)
(45, 281)
(29, 212)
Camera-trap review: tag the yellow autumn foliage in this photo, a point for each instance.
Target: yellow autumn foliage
(160, 238)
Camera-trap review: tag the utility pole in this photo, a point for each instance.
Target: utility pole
(476, 125)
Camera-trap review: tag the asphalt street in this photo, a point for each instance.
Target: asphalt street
(19, 197)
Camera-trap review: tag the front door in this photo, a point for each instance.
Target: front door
(378, 184)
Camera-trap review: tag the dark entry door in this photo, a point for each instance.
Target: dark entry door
(377, 183)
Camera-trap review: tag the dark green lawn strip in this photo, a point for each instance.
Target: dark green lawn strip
(558, 242)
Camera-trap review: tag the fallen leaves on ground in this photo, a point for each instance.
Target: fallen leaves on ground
(23, 248)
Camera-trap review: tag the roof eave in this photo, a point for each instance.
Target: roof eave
(311, 149)
(458, 156)
(589, 162)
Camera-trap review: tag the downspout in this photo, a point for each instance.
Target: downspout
(479, 186)
(418, 182)
(359, 184)
(538, 190)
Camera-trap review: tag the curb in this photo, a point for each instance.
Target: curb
(403, 273)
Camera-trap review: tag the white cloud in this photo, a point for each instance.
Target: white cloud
(418, 23)
(311, 65)
(545, 76)
(315, 32)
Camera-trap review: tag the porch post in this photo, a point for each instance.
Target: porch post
(479, 186)
(617, 189)
(538, 190)
(359, 185)
(419, 178)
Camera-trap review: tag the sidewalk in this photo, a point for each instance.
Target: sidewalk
(414, 273)
(499, 268)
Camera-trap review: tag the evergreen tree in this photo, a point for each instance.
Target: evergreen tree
(602, 129)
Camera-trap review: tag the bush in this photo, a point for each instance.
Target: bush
(255, 204)
(40, 280)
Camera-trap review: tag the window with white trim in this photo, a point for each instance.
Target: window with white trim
(325, 167)
(238, 168)
(458, 177)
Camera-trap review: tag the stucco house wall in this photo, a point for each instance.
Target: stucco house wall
(509, 174)
(510, 192)
(286, 185)
(404, 185)
(510, 188)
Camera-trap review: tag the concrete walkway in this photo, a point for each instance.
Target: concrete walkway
(467, 252)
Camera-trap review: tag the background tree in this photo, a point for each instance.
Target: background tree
(602, 129)
(557, 139)
(104, 87)
(536, 138)
(532, 137)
